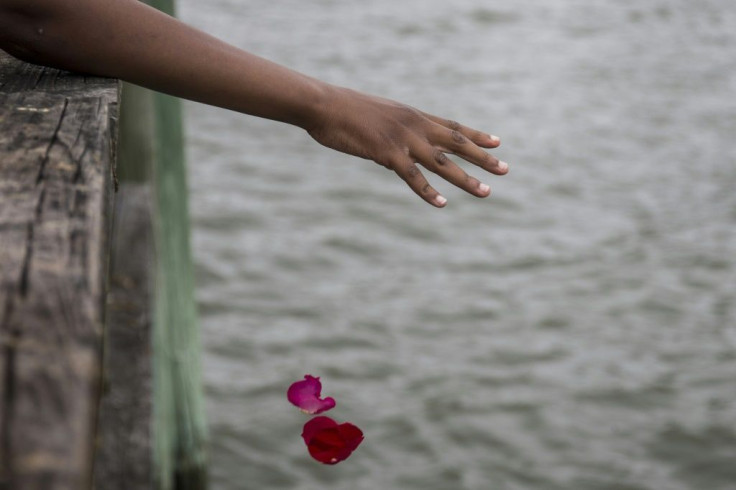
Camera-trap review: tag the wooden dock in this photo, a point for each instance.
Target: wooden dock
(57, 197)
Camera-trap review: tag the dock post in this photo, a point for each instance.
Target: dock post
(179, 426)
(57, 162)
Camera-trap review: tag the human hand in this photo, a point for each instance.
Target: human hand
(397, 136)
(207, 70)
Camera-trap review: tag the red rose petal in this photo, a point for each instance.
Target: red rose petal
(306, 395)
(328, 442)
(352, 437)
(313, 426)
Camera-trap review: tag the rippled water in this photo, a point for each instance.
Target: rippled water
(577, 330)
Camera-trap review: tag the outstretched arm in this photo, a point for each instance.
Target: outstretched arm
(126, 39)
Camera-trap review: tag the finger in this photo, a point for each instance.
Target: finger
(436, 161)
(410, 173)
(453, 141)
(480, 138)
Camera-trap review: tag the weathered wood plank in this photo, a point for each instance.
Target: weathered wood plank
(24, 77)
(124, 458)
(56, 142)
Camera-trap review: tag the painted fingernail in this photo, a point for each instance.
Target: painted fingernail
(503, 166)
(440, 200)
(484, 188)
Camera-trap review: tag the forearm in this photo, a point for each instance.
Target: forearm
(127, 39)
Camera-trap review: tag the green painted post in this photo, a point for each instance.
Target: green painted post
(179, 430)
(179, 424)
(152, 149)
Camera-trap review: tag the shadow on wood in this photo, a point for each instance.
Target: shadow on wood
(123, 460)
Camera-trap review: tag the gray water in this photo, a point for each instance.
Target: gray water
(577, 330)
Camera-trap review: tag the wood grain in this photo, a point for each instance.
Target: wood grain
(57, 140)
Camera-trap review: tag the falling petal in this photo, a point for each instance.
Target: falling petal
(306, 394)
(329, 442)
(315, 425)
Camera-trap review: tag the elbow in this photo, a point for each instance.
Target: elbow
(22, 33)
(24, 51)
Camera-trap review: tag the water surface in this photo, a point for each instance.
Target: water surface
(577, 330)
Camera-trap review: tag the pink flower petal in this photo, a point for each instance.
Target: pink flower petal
(306, 395)
(328, 442)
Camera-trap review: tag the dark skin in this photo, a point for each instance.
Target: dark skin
(127, 39)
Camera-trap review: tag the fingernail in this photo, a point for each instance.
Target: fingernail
(503, 166)
(440, 200)
(495, 139)
(484, 188)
